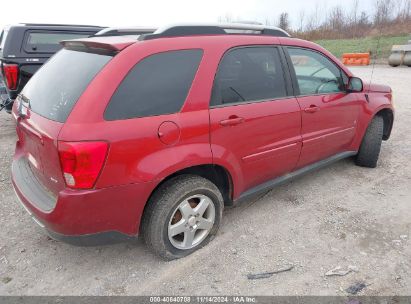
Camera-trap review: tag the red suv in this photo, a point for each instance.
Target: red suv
(153, 137)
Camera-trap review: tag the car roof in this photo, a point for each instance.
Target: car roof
(56, 25)
(118, 43)
(205, 31)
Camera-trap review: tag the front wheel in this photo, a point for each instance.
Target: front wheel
(371, 144)
(183, 215)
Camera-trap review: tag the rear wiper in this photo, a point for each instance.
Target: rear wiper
(24, 104)
(25, 99)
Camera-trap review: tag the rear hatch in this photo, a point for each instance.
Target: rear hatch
(45, 104)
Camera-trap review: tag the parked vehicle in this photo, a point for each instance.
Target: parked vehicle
(25, 47)
(2, 86)
(124, 31)
(154, 137)
(3, 93)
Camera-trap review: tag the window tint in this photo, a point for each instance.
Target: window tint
(157, 85)
(52, 38)
(249, 74)
(58, 84)
(315, 73)
(49, 42)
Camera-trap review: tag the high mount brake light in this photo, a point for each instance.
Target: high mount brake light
(11, 73)
(81, 162)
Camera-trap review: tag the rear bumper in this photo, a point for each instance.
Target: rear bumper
(78, 216)
(96, 239)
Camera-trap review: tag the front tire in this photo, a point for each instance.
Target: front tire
(371, 144)
(183, 215)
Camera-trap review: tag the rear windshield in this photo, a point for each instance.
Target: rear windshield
(56, 87)
(52, 38)
(48, 42)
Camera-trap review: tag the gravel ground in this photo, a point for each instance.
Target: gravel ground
(342, 215)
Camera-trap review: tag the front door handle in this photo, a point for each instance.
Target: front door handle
(312, 109)
(232, 121)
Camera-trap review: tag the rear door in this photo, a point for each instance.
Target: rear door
(255, 123)
(329, 113)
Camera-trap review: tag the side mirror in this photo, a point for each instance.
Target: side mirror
(355, 85)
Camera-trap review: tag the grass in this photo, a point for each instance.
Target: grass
(363, 45)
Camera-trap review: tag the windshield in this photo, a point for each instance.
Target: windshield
(56, 87)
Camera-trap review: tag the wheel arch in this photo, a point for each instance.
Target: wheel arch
(388, 116)
(217, 174)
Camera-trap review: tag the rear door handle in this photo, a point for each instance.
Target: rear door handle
(312, 109)
(232, 121)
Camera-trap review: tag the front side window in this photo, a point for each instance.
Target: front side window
(315, 73)
(157, 85)
(249, 74)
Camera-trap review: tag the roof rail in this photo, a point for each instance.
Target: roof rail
(180, 30)
(123, 31)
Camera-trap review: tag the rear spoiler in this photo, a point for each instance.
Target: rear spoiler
(104, 45)
(97, 48)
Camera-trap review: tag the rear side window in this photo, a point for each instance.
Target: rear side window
(49, 41)
(157, 85)
(58, 84)
(249, 74)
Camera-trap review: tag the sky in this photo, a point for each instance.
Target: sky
(159, 12)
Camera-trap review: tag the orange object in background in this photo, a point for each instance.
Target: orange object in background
(356, 58)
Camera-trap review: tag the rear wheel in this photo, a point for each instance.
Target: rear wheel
(371, 144)
(183, 215)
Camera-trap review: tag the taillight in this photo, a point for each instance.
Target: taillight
(81, 162)
(11, 73)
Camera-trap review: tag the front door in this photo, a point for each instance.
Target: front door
(329, 113)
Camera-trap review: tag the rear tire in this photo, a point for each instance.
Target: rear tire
(189, 203)
(371, 144)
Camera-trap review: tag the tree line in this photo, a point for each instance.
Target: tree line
(386, 17)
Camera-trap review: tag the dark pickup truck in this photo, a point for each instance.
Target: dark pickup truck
(25, 47)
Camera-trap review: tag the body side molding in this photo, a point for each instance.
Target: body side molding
(282, 179)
